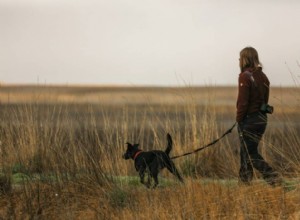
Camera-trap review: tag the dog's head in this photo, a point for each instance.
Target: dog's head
(131, 150)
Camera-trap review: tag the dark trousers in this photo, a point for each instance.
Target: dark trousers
(250, 132)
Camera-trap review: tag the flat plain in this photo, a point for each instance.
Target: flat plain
(61, 153)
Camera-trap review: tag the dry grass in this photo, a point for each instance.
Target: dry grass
(194, 200)
(61, 147)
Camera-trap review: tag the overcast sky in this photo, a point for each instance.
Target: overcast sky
(146, 42)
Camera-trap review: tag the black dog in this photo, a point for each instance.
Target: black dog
(151, 161)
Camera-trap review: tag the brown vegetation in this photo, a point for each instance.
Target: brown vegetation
(62, 148)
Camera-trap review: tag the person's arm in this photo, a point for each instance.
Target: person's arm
(243, 97)
(267, 85)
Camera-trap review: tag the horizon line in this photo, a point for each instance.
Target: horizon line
(107, 85)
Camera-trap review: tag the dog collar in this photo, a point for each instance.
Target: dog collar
(136, 154)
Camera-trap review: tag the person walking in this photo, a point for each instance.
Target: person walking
(251, 116)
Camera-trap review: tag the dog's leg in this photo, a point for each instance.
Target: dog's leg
(171, 167)
(142, 176)
(149, 180)
(154, 169)
(155, 181)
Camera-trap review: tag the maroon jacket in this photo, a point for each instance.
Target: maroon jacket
(253, 92)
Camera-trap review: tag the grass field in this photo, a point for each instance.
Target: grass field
(61, 148)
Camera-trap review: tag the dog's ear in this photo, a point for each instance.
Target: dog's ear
(136, 145)
(128, 144)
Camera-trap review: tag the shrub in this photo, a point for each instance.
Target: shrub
(118, 198)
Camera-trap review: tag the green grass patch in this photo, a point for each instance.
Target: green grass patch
(134, 181)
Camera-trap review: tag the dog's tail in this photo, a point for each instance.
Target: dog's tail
(169, 144)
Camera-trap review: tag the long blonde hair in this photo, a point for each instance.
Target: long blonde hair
(249, 58)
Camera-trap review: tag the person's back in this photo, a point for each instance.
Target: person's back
(253, 92)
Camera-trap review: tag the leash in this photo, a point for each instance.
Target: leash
(207, 145)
